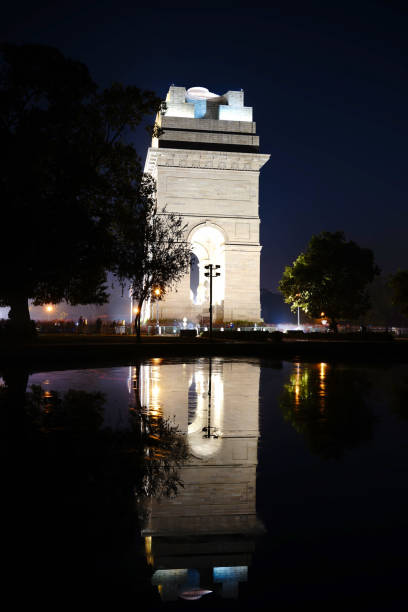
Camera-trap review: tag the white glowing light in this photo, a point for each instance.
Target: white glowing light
(200, 93)
(208, 245)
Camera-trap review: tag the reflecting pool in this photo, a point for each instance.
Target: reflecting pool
(211, 482)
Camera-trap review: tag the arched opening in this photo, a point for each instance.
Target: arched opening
(208, 246)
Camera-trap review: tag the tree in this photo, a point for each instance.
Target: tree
(399, 288)
(330, 277)
(69, 167)
(152, 251)
(383, 310)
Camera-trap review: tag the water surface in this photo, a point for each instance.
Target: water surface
(213, 481)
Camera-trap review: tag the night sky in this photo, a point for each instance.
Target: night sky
(329, 91)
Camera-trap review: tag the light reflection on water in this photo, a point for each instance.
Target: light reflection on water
(325, 428)
(215, 404)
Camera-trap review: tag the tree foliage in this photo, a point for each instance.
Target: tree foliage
(330, 277)
(151, 251)
(399, 288)
(383, 310)
(69, 167)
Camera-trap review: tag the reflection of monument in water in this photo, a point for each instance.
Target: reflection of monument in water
(202, 540)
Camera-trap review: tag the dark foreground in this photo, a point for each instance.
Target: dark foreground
(299, 501)
(76, 351)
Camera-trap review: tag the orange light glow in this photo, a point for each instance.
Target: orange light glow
(297, 385)
(148, 550)
(49, 308)
(157, 291)
(322, 392)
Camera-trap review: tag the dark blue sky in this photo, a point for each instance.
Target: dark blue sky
(328, 85)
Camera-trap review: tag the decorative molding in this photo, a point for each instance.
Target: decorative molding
(214, 160)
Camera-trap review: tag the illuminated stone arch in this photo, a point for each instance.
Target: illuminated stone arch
(208, 245)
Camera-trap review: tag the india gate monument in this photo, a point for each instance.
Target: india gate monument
(206, 164)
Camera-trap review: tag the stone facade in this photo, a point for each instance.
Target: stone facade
(206, 164)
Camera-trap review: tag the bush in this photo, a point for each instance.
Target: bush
(232, 334)
(295, 333)
(188, 333)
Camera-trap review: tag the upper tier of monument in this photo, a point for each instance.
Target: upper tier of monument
(196, 118)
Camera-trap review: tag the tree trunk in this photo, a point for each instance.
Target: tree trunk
(19, 322)
(137, 320)
(137, 326)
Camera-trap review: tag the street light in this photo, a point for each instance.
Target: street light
(49, 308)
(157, 294)
(211, 274)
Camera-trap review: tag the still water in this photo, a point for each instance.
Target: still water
(213, 482)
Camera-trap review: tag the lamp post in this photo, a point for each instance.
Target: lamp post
(157, 294)
(211, 274)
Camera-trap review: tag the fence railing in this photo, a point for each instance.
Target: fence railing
(109, 328)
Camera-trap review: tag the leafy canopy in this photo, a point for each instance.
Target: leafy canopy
(69, 168)
(330, 277)
(151, 251)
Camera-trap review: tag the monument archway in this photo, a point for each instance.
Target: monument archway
(206, 164)
(208, 246)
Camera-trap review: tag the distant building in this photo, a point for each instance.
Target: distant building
(206, 163)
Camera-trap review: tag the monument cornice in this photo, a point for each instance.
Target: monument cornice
(214, 160)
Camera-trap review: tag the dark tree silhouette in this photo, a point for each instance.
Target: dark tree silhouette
(151, 250)
(69, 167)
(399, 289)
